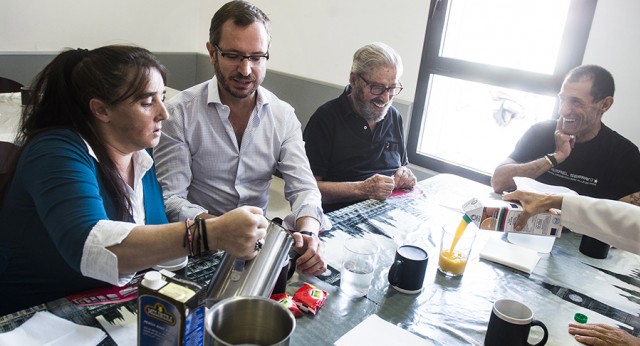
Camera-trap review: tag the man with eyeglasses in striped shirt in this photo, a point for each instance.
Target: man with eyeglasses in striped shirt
(227, 136)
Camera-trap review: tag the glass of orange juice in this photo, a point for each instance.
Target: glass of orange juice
(455, 247)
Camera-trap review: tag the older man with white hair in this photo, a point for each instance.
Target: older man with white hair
(355, 143)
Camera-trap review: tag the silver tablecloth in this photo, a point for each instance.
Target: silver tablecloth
(447, 311)
(456, 311)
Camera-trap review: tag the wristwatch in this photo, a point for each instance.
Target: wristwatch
(551, 158)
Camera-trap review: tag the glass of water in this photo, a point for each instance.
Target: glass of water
(358, 264)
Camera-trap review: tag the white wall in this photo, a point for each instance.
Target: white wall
(53, 25)
(311, 39)
(613, 44)
(317, 39)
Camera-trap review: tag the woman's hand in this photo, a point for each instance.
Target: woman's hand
(237, 231)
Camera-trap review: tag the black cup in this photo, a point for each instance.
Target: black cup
(283, 277)
(594, 248)
(407, 271)
(510, 323)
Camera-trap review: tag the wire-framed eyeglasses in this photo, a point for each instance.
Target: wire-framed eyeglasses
(237, 58)
(377, 89)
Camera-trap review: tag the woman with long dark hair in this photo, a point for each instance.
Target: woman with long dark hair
(80, 206)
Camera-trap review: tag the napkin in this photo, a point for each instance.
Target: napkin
(376, 331)
(510, 255)
(45, 328)
(528, 184)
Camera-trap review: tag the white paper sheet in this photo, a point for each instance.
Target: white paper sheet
(375, 331)
(45, 328)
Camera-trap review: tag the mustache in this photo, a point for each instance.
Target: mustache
(380, 101)
(239, 77)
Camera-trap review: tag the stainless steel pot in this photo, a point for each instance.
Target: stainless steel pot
(249, 321)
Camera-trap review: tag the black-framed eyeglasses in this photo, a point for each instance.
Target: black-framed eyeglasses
(377, 89)
(236, 58)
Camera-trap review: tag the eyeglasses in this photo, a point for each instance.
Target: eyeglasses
(237, 58)
(377, 89)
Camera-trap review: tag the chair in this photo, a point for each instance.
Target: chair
(7, 150)
(9, 86)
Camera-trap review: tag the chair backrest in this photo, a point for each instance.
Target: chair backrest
(9, 86)
(7, 149)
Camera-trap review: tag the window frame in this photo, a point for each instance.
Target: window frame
(572, 48)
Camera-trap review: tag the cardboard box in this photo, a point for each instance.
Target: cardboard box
(171, 310)
(496, 215)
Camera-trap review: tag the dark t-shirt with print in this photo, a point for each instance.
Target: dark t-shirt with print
(608, 166)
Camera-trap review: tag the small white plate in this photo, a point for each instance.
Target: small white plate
(173, 265)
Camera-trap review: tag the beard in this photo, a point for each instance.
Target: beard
(223, 81)
(367, 108)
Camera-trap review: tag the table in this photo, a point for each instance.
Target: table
(447, 311)
(456, 311)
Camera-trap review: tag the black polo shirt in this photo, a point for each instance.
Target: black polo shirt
(341, 147)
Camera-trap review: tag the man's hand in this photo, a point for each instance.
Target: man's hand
(404, 178)
(378, 186)
(599, 334)
(564, 143)
(309, 245)
(312, 249)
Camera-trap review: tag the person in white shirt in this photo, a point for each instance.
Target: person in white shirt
(613, 222)
(226, 138)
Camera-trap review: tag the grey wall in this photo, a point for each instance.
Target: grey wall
(24, 66)
(304, 94)
(187, 69)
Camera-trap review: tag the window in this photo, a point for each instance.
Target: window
(489, 70)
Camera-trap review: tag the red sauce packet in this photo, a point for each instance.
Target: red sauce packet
(286, 300)
(309, 298)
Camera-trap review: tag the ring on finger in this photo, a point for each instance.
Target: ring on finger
(259, 245)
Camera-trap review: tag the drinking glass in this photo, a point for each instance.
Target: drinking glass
(358, 264)
(453, 259)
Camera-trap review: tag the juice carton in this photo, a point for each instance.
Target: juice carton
(496, 215)
(171, 310)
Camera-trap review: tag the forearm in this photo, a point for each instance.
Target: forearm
(148, 245)
(235, 232)
(633, 198)
(613, 222)
(336, 192)
(308, 224)
(502, 179)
